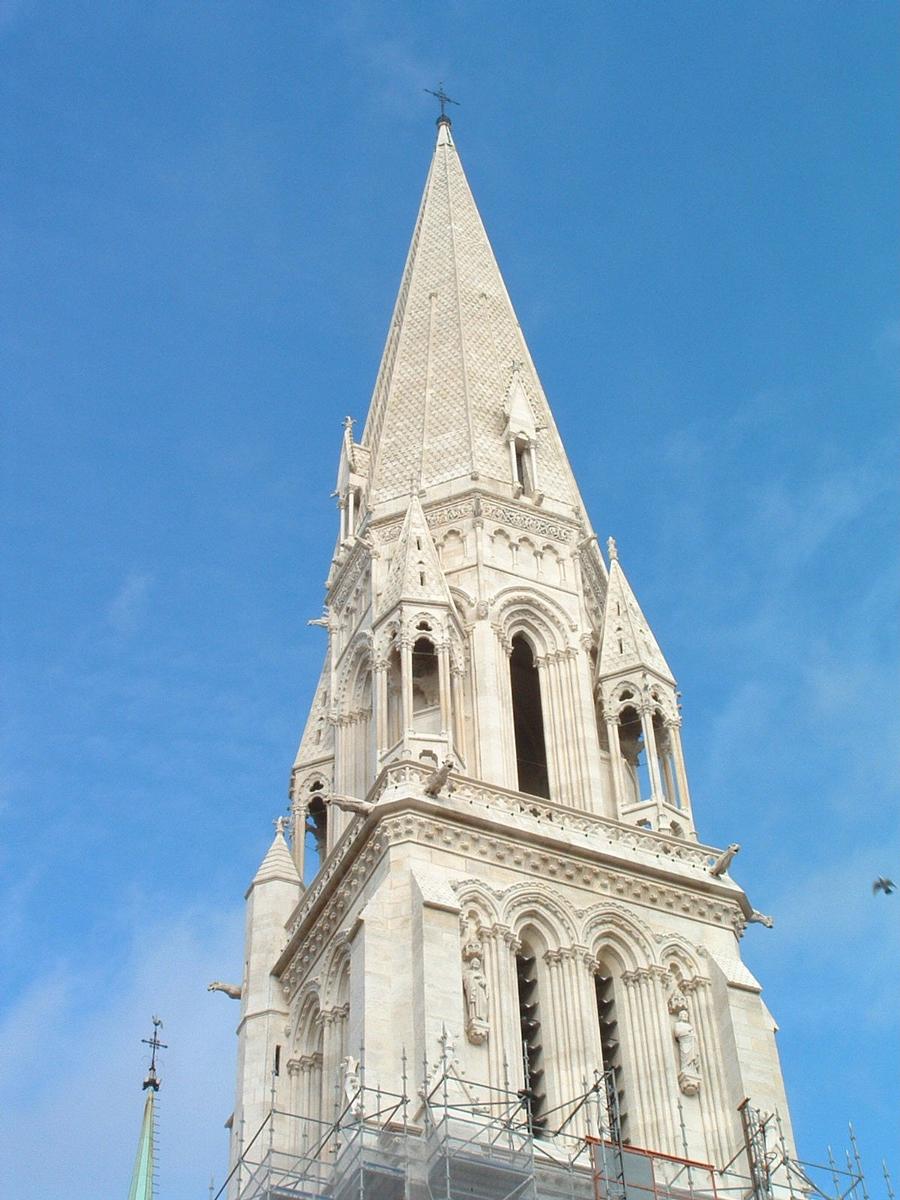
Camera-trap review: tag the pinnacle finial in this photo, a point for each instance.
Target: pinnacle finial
(280, 824)
(443, 99)
(612, 549)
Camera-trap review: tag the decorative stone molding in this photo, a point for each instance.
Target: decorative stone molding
(522, 518)
(527, 814)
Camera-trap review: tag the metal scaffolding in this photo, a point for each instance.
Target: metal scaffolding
(456, 1139)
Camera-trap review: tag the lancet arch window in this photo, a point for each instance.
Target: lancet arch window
(631, 740)
(528, 719)
(316, 827)
(426, 702)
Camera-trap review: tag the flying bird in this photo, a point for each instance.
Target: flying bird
(883, 885)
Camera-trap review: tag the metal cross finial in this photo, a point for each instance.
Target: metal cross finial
(155, 1044)
(441, 96)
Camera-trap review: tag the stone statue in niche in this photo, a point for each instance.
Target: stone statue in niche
(686, 1044)
(476, 995)
(352, 1081)
(474, 980)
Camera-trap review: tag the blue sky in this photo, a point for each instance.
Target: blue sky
(205, 211)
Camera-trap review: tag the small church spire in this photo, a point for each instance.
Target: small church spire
(143, 1175)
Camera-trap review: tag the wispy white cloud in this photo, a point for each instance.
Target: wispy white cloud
(127, 608)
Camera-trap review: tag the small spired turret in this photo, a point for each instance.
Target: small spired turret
(142, 1177)
(271, 898)
(637, 695)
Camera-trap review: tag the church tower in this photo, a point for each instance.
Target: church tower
(507, 904)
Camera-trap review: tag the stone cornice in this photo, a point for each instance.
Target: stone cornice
(477, 503)
(520, 832)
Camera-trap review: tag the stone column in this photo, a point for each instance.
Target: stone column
(615, 759)
(660, 1031)
(330, 1063)
(351, 515)
(459, 716)
(514, 473)
(583, 701)
(293, 1140)
(553, 731)
(636, 1063)
(304, 1109)
(674, 727)
(569, 731)
(343, 512)
(583, 967)
(298, 833)
(555, 1036)
(651, 752)
(380, 701)
(512, 1074)
(443, 652)
(506, 742)
(532, 459)
(406, 688)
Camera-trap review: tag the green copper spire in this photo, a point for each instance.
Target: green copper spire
(142, 1183)
(144, 1163)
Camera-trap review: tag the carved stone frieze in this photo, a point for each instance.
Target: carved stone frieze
(521, 518)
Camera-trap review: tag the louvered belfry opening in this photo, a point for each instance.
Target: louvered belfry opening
(528, 720)
(611, 1050)
(535, 1092)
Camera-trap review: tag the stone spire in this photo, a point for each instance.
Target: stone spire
(439, 409)
(278, 863)
(415, 568)
(627, 640)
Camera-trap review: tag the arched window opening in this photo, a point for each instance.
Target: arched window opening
(666, 759)
(528, 720)
(534, 1093)
(425, 688)
(610, 1047)
(316, 830)
(631, 740)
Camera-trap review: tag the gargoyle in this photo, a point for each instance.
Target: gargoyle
(230, 989)
(350, 804)
(725, 859)
(436, 781)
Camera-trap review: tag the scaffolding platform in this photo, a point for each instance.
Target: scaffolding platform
(394, 1147)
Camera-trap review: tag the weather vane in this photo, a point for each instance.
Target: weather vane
(152, 1080)
(441, 96)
